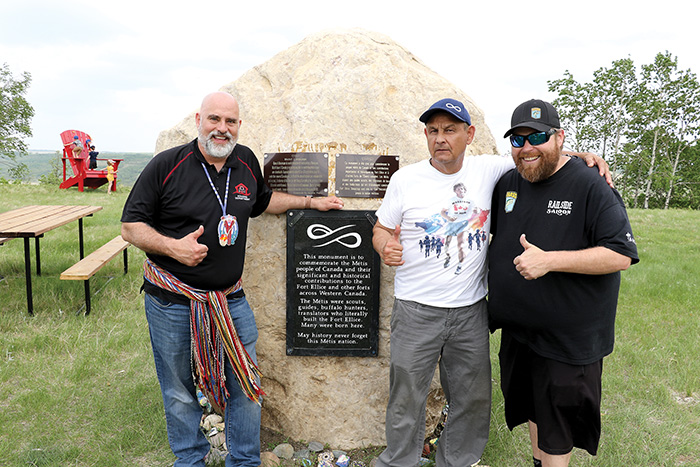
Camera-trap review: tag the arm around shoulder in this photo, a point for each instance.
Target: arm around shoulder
(594, 160)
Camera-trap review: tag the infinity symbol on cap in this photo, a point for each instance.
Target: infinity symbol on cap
(450, 105)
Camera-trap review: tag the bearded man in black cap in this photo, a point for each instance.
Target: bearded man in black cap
(561, 236)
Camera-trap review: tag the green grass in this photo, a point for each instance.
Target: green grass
(77, 391)
(651, 382)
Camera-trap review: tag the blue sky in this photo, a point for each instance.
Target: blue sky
(124, 71)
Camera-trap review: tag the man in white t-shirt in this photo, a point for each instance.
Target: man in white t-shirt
(439, 314)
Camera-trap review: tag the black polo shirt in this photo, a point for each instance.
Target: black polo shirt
(173, 195)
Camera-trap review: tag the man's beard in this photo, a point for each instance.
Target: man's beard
(216, 150)
(544, 169)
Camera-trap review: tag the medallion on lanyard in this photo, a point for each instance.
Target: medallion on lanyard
(228, 230)
(228, 225)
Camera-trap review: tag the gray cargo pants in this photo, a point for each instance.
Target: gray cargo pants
(458, 339)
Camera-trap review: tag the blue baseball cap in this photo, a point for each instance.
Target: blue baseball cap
(451, 106)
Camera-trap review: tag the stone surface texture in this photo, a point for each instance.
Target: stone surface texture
(341, 91)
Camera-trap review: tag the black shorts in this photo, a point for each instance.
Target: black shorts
(562, 399)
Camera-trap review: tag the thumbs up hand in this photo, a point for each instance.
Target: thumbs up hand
(523, 241)
(392, 253)
(188, 250)
(397, 234)
(531, 264)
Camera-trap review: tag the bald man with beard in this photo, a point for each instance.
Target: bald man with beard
(189, 211)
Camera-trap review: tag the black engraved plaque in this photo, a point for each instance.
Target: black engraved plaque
(297, 173)
(363, 175)
(332, 284)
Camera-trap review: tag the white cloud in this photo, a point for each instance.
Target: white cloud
(124, 71)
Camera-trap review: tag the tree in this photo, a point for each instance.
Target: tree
(667, 115)
(613, 91)
(573, 106)
(687, 193)
(595, 114)
(15, 114)
(646, 125)
(686, 131)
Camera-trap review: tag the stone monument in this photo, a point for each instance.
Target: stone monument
(340, 91)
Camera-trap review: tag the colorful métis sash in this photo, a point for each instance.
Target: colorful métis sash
(212, 332)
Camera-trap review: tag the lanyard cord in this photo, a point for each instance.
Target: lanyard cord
(228, 179)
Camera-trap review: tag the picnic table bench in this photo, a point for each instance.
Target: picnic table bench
(87, 267)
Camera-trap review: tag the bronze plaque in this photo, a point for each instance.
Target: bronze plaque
(332, 284)
(297, 173)
(363, 175)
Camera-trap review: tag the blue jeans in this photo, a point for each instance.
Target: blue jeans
(169, 327)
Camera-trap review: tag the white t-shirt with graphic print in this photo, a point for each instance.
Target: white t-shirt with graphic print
(415, 198)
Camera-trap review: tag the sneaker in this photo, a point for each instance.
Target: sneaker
(447, 260)
(458, 270)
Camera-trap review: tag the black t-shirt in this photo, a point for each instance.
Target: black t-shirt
(563, 316)
(174, 196)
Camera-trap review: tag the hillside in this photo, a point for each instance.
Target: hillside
(40, 163)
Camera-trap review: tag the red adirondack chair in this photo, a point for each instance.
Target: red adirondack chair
(82, 175)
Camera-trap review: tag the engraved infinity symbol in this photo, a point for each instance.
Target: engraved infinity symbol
(319, 231)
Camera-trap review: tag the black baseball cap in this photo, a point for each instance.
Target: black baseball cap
(536, 114)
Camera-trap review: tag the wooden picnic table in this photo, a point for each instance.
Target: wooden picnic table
(33, 222)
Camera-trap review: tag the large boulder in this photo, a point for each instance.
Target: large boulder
(348, 91)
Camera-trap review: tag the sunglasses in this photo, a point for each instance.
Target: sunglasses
(535, 139)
